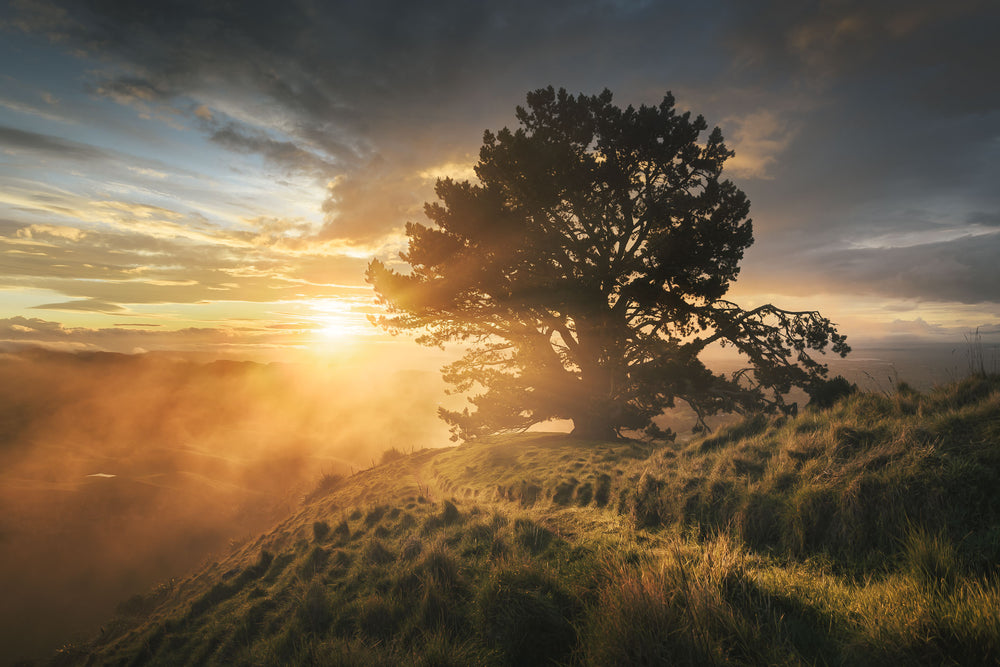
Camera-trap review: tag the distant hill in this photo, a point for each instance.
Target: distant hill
(867, 533)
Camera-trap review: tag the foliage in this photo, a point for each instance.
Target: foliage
(587, 270)
(824, 393)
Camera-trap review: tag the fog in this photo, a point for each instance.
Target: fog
(118, 472)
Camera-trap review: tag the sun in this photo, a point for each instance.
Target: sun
(331, 329)
(333, 322)
(332, 325)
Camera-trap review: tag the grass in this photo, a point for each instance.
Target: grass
(863, 533)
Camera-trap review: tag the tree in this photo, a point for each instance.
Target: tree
(587, 270)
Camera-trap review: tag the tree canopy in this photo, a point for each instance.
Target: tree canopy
(587, 270)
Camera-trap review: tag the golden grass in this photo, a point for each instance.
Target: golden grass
(862, 534)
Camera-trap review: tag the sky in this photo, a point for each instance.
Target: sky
(214, 175)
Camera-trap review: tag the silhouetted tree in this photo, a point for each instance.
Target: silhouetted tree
(587, 270)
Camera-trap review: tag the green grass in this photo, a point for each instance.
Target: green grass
(864, 533)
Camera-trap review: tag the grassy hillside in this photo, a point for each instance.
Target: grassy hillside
(868, 533)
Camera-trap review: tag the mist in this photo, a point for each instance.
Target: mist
(118, 472)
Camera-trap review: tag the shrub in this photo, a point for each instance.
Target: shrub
(450, 513)
(603, 492)
(531, 536)
(320, 530)
(391, 454)
(527, 617)
(315, 611)
(327, 483)
(314, 562)
(341, 558)
(376, 553)
(745, 429)
(564, 492)
(644, 504)
(824, 393)
(440, 567)
(931, 559)
(375, 514)
(411, 548)
(342, 530)
(378, 616)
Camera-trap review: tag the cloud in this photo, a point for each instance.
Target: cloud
(285, 154)
(133, 91)
(19, 326)
(152, 173)
(354, 75)
(51, 231)
(459, 171)
(845, 117)
(31, 110)
(961, 270)
(989, 219)
(18, 332)
(89, 305)
(758, 140)
(372, 201)
(132, 264)
(21, 140)
(106, 165)
(203, 112)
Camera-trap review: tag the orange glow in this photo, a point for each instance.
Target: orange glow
(336, 322)
(332, 328)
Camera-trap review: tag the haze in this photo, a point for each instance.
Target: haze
(199, 186)
(119, 472)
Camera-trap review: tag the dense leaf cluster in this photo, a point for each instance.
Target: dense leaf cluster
(587, 270)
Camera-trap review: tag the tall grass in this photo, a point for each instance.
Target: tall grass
(867, 532)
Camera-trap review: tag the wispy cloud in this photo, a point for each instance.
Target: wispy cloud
(90, 305)
(13, 139)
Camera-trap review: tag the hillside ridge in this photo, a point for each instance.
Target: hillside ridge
(864, 533)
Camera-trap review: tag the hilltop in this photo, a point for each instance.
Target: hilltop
(865, 533)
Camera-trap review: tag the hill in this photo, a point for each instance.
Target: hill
(865, 533)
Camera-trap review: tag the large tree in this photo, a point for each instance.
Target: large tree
(587, 270)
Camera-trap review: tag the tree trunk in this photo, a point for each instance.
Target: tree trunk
(593, 426)
(595, 411)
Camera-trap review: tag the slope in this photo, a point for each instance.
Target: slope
(865, 533)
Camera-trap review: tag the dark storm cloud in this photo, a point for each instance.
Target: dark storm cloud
(898, 101)
(356, 83)
(943, 48)
(962, 270)
(989, 219)
(285, 154)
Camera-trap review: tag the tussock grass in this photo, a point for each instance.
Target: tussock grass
(866, 532)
